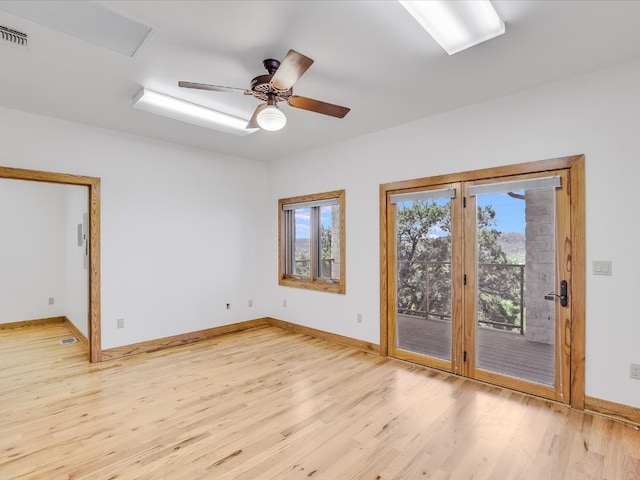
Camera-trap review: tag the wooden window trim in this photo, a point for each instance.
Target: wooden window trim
(284, 247)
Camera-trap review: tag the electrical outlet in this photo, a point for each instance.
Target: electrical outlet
(359, 317)
(52, 300)
(251, 303)
(284, 303)
(228, 306)
(120, 323)
(634, 371)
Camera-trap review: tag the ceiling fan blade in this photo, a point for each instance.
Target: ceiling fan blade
(253, 123)
(290, 70)
(217, 88)
(317, 106)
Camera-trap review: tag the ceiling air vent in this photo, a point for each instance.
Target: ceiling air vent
(13, 38)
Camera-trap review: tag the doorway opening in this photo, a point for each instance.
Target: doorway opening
(93, 210)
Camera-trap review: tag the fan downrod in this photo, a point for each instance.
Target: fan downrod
(271, 65)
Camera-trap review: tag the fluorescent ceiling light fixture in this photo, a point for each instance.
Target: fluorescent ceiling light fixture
(172, 107)
(456, 25)
(271, 118)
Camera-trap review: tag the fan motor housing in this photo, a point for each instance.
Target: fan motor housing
(262, 88)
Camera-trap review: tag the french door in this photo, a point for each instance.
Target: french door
(479, 276)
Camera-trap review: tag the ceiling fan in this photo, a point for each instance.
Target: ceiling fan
(274, 87)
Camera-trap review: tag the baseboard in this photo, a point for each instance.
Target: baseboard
(182, 339)
(200, 335)
(331, 337)
(32, 323)
(611, 409)
(77, 333)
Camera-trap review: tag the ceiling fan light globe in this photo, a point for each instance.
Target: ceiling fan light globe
(271, 118)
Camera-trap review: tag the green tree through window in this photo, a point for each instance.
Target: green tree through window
(424, 265)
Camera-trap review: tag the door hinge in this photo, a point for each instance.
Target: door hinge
(464, 357)
(464, 279)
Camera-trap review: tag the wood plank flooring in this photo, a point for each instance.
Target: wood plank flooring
(273, 404)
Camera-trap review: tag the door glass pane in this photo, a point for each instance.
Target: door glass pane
(423, 286)
(515, 235)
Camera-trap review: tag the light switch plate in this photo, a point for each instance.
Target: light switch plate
(602, 267)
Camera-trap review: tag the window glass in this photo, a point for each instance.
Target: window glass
(330, 242)
(302, 242)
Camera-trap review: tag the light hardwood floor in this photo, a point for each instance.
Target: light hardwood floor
(273, 404)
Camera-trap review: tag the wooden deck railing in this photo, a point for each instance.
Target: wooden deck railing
(303, 267)
(445, 267)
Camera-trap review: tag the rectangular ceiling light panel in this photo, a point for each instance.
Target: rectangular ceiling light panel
(456, 25)
(88, 21)
(188, 112)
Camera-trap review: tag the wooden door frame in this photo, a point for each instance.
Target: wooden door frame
(575, 165)
(93, 183)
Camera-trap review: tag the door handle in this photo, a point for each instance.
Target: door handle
(563, 294)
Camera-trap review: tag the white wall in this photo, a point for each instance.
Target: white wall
(31, 250)
(596, 114)
(76, 276)
(180, 227)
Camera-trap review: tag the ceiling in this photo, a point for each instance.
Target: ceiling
(370, 56)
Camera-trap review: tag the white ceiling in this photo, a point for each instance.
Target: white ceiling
(370, 56)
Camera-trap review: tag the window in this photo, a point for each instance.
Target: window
(311, 241)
